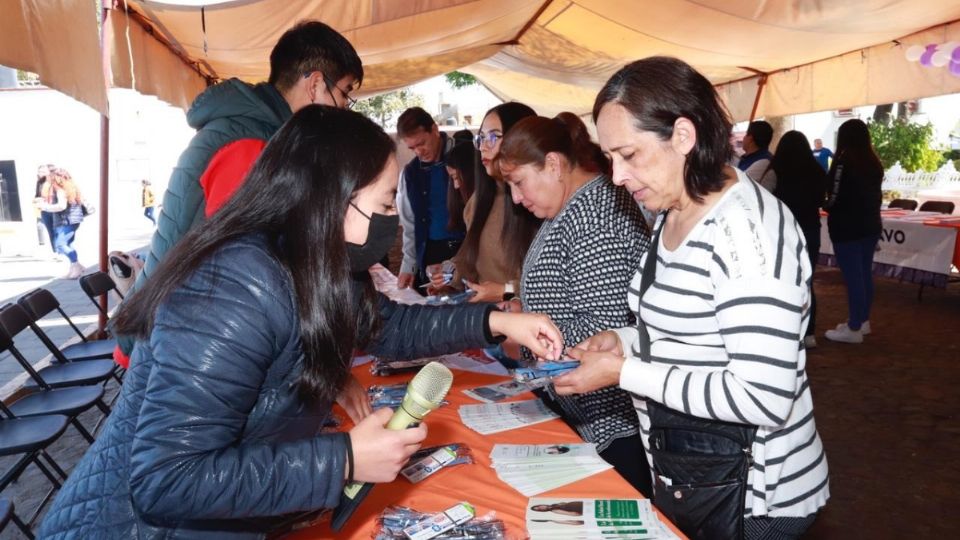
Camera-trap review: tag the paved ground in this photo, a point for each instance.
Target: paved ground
(887, 411)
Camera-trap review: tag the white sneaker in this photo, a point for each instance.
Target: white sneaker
(809, 342)
(76, 270)
(864, 328)
(844, 334)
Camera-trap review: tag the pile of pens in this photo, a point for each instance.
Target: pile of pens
(395, 519)
(388, 395)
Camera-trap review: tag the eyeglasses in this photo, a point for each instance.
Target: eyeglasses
(330, 84)
(490, 139)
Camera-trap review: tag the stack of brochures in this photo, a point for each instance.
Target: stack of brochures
(497, 417)
(601, 519)
(533, 469)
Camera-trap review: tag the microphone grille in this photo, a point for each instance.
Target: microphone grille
(432, 382)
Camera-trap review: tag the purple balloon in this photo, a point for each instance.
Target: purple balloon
(927, 56)
(955, 62)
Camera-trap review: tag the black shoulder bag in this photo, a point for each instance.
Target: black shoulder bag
(704, 461)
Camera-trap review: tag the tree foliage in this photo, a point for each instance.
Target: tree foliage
(382, 108)
(909, 143)
(458, 79)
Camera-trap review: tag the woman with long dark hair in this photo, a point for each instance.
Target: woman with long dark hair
(801, 184)
(854, 223)
(461, 166)
(579, 266)
(498, 231)
(245, 337)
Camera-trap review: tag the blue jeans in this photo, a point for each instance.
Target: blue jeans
(856, 263)
(148, 213)
(63, 241)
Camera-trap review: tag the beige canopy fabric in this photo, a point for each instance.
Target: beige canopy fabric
(575, 45)
(400, 42)
(552, 54)
(58, 40)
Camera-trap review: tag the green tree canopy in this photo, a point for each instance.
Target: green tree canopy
(458, 79)
(909, 143)
(382, 108)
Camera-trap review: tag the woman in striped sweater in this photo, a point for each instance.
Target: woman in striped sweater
(729, 304)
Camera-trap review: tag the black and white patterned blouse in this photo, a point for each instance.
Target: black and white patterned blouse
(577, 271)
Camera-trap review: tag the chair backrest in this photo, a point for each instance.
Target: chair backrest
(39, 303)
(943, 207)
(97, 284)
(13, 320)
(906, 204)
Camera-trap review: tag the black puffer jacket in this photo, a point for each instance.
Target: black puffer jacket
(208, 439)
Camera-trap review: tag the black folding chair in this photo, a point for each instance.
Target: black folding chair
(14, 319)
(96, 285)
(29, 438)
(905, 204)
(943, 207)
(7, 515)
(70, 402)
(39, 303)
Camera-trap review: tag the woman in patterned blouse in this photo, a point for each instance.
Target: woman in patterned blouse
(579, 265)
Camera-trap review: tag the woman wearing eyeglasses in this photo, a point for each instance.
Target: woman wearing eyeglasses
(498, 231)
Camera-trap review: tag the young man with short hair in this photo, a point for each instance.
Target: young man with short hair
(311, 63)
(422, 198)
(756, 147)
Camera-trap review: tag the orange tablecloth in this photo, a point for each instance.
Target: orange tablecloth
(476, 483)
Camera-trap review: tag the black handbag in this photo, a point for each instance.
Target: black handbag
(700, 465)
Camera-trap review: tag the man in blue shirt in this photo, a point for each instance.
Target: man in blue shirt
(422, 198)
(822, 154)
(756, 145)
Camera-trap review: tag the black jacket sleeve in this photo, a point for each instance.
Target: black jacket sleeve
(412, 331)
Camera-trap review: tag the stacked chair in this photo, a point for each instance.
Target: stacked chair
(54, 396)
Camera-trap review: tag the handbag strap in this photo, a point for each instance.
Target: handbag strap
(646, 279)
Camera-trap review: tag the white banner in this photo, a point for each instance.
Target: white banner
(906, 242)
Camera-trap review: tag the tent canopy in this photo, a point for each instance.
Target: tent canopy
(552, 54)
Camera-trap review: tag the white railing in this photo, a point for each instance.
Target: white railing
(909, 183)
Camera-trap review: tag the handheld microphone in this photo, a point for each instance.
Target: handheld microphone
(424, 394)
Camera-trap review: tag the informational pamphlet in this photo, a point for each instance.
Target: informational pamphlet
(533, 469)
(497, 417)
(600, 519)
(493, 393)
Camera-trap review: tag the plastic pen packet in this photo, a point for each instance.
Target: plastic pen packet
(455, 523)
(389, 395)
(427, 461)
(451, 298)
(543, 373)
(384, 367)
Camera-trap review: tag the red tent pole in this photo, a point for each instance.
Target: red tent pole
(104, 160)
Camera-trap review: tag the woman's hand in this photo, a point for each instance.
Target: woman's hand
(532, 330)
(606, 341)
(380, 453)
(435, 271)
(487, 291)
(597, 370)
(353, 399)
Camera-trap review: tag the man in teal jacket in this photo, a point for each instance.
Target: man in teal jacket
(311, 63)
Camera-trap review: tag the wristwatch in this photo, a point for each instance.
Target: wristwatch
(508, 292)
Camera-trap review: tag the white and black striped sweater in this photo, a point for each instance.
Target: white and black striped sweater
(726, 315)
(577, 271)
